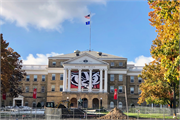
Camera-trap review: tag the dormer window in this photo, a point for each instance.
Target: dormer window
(53, 63)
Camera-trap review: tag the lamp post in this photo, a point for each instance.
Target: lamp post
(67, 102)
(101, 102)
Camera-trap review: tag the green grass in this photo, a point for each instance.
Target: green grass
(149, 116)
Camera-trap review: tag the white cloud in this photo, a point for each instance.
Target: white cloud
(1, 22)
(45, 14)
(40, 59)
(141, 60)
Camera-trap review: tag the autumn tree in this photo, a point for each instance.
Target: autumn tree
(155, 88)
(165, 48)
(11, 72)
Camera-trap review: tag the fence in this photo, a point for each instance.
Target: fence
(22, 114)
(138, 112)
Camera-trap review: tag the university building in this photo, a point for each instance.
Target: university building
(89, 76)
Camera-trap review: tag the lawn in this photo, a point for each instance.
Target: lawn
(150, 116)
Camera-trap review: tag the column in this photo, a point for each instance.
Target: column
(90, 80)
(79, 83)
(64, 80)
(13, 102)
(105, 80)
(69, 79)
(22, 101)
(100, 90)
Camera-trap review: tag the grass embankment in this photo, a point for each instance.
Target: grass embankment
(160, 116)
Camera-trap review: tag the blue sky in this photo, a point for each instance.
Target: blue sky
(45, 28)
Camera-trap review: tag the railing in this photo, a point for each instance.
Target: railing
(34, 67)
(104, 111)
(136, 68)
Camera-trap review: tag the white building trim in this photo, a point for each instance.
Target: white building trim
(20, 97)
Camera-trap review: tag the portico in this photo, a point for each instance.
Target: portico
(67, 79)
(18, 101)
(87, 63)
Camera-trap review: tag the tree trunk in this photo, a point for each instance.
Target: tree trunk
(174, 99)
(171, 107)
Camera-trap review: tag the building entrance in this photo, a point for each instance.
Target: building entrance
(85, 103)
(74, 102)
(18, 102)
(95, 103)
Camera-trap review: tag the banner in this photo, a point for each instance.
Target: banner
(115, 94)
(85, 79)
(4, 96)
(34, 93)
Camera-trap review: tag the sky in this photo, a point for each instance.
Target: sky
(38, 29)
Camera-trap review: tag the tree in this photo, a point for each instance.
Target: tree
(165, 48)
(11, 72)
(155, 88)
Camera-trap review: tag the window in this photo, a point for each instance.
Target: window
(35, 77)
(132, 79)
(132, 90)
(61, 76)
(2, 104)
(34, 104)
(61, 87)
(112, 89)
(120, 104)
(139, 91)
(61, 63)
(43, 78)
(10, 103)
(120, 89)
(120, 77)
(112, 63)
(53, 63)
(52, 87)
(139, 79)
(34, 88)
(26, 103)
(27, 88)
(27, 78)
(111, 104)
(53, 76)
(19, 88)
(120, 64)
(112, 77)
(42, 89)
(42, 104)
(10, 90)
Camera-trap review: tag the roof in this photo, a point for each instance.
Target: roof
(93, 53)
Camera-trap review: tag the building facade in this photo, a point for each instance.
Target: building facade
(89, 76)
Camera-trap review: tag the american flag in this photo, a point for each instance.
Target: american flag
(87, 16)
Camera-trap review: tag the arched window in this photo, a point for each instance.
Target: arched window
(111, 104)
(120, 104)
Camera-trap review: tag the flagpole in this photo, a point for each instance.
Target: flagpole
(90, 34)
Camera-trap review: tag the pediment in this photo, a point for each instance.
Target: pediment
(85, 59)
(20, 96)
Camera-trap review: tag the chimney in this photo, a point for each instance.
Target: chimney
(77, 52)
(100, 53)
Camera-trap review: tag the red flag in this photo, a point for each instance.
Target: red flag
(34, 93)
(115, 94)
(4, 96)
